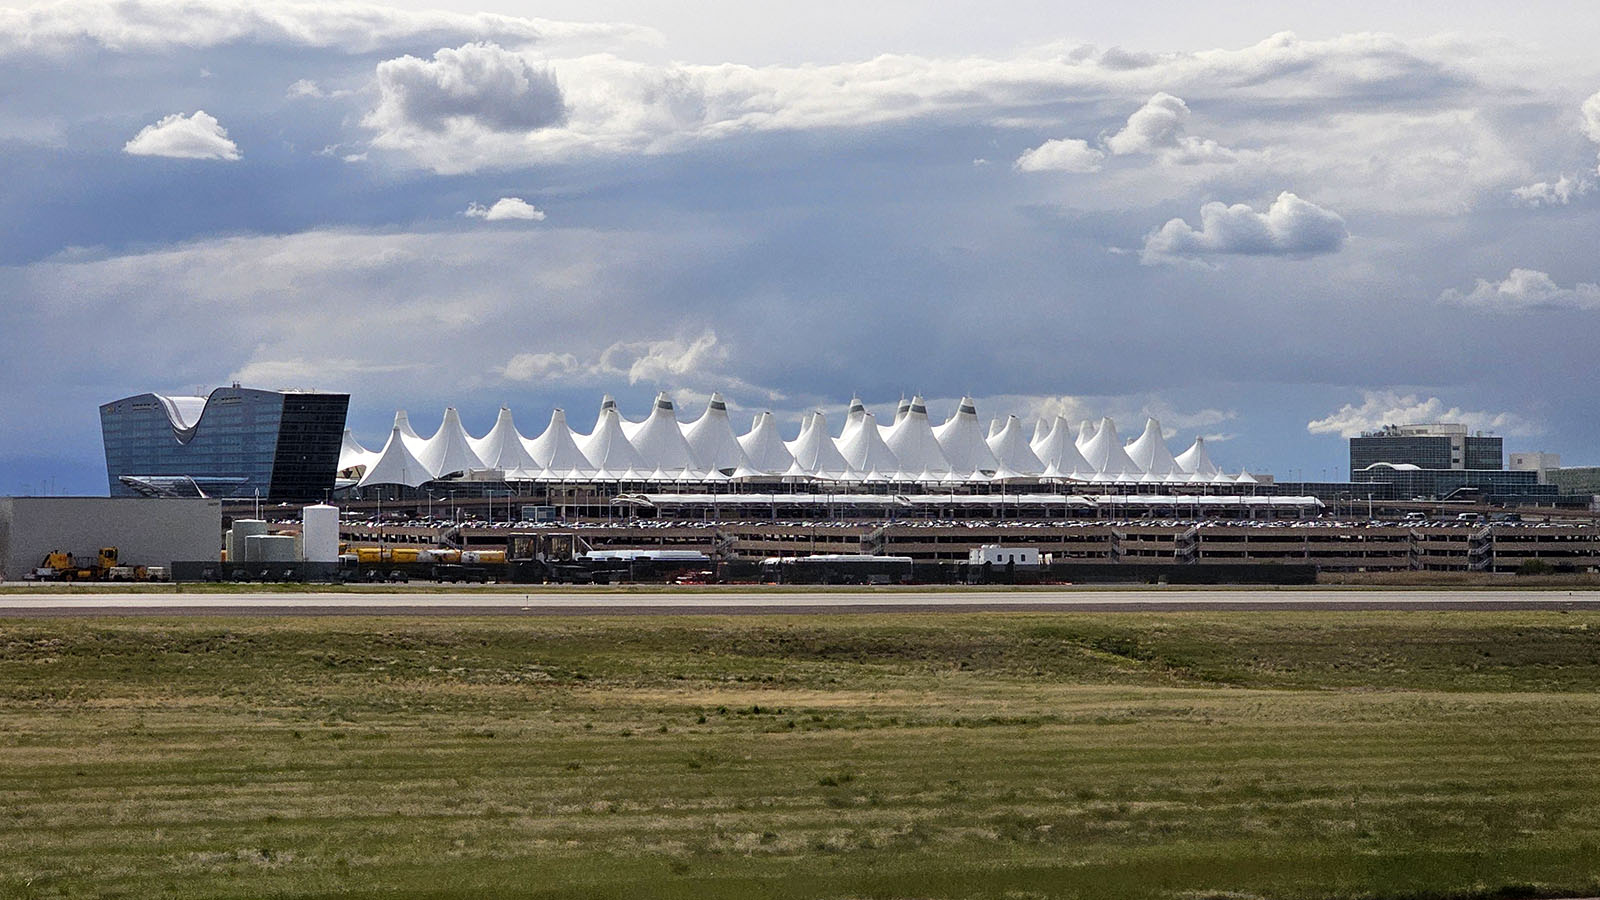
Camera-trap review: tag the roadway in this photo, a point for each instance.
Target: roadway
(747, 602)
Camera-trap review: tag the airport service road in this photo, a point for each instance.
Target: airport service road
(668, 602)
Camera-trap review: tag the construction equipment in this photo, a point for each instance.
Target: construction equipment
(59, 565)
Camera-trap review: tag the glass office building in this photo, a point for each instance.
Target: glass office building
(235, 443)
(1426, 447)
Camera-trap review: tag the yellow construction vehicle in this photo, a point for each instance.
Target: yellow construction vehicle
(59, 565)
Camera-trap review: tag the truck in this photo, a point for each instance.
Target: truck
(59, 565)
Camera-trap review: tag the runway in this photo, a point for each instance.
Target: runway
(470, 602)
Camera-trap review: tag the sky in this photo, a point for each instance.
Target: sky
(1274, 227)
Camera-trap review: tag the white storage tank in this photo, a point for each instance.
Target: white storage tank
(319, 533)
(239, 538)
(269, 548)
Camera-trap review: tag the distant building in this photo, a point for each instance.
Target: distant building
(235, 443)
(1540, 462)
(1426, 446)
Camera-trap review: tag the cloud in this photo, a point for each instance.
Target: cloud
(1157, 127)
(476, 85)
(1525, 289)
(1387, 407)
(505, 208)
(1557, 193)
(1591, 117)
(132, 26)
(299, 372)
(1290, 227)
(660, 362)
(1061, 155)
(199, 136)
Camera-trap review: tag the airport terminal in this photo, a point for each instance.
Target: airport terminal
(286, 491)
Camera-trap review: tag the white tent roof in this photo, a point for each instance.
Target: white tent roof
(1105, 453)
(712, 441)
(912, 441)
(414, 442)
(1195, 460)
(1086, 431)
(557, 450)
(994, 428)
(763, 447)
(502, 447)
(1059, 452)
(853, 417)
(1150, 452)
(814, 451)
(1010, 448)
(1041, 430)
(961, 438)
(449, 450)
(607, 448)
(352, 454)
(864, 450)
(396, 465)
(661, 442)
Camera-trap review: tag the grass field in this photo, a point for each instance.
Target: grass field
(1185, 756)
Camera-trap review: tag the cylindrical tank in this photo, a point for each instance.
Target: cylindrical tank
(243, 531)
(319, 531)
(269, 547)
(483, 556)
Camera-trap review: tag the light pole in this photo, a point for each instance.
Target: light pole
(430, 506)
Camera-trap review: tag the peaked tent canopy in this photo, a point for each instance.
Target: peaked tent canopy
(763, 447)
(1105, 453)
(961, 438)
(557, 450)
(865, 452)
(1150, 452)
(607, 448)
(1060, 455)
(502, 447)
(712, 440)
(853, 417)
(352, 455)
(815, 453)
(396, 465)
(414, 442)
(1041, 430)
(449, 450)
(661, 442)
(1010, 448)
(1196, 461)
(913, 444)
(1085, 434)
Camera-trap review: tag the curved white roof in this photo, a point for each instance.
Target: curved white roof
(556, 451)
(962, 439)
(414, 442)
(1196, 461)
(607, 448)
(1150, 452)
(396, 465)
(865, 452)
(763, 447)
(449, 450)
(914, 445)
(1086, 431)
(1041, 430)
(1010, 448)
(502, 447)
(352, 454)
(1105, 453)
(853, 417)
(1059, 453)
(814, 451)
(661, 442)
(712, 440)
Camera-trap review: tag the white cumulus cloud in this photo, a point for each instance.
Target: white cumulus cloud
(667, 361)
(1061, 155)
(1591, 117)
(1158, 126)
(199, 136)
(1525, 289)
(1554, 193)
(1387, 407)
(505, 208)
(1290, 227)
(480, 85)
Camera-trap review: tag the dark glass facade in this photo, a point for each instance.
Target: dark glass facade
(1426, 451)
(240, 444)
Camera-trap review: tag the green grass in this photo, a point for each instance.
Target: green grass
(1188, 756)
